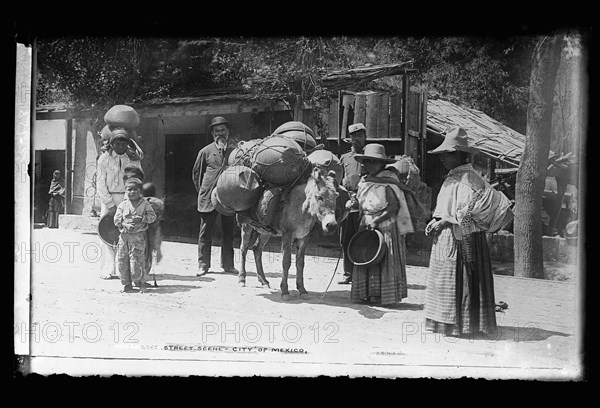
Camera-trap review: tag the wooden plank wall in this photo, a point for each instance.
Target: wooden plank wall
(383, 115)
(347, 103)
(380, 112)
(411, 141)
(372, 114)
(333, 119)
(395, 129)
(360, 107)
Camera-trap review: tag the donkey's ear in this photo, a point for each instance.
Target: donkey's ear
(332, 174)
(316, 173)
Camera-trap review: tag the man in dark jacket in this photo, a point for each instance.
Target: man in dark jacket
(352, 172)
(211, 161)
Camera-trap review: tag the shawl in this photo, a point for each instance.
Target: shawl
(56, 186)
(371, 196)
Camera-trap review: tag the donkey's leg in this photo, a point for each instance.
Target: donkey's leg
(248, 237)
(300, 268)
(286, 251)
(258, 251)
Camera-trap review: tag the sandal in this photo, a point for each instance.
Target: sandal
(107, 277)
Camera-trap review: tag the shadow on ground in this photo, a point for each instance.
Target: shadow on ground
(171, 289)
(526, 333)
(189, 278)
(341, 298)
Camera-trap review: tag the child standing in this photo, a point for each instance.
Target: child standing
(132, 218)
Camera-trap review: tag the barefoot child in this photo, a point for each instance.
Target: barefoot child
(132, 218)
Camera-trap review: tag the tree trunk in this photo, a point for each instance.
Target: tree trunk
(534, 162)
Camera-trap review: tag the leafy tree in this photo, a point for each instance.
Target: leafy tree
(489, 74)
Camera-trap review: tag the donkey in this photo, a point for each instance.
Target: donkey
(306, 203)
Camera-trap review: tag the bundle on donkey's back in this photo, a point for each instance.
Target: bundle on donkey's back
(292, 196)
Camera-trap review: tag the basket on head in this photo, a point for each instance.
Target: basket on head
(366, 248)
(122, 116)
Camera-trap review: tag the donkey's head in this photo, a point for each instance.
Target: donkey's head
(321, 194)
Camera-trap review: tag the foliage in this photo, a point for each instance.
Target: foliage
(483, 73)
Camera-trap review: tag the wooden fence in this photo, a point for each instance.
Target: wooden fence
(399, 117)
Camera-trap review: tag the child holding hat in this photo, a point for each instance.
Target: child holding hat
(132, 218)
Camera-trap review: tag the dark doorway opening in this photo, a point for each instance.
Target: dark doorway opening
(181, 216)
(46, 161)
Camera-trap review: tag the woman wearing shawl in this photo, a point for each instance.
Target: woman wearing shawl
(459, 286)
(57, 196)
(382, 206)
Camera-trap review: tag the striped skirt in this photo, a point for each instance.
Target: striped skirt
(459, 292)
(384, 283)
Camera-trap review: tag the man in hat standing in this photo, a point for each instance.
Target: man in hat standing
(111, 189)
(352, 173)
(459, 297)
(211, 161)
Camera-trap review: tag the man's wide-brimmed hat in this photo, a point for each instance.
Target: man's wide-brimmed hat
(218, 120)
(455, 140)
(374, 151)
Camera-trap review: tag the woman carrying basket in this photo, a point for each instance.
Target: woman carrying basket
(382, 206)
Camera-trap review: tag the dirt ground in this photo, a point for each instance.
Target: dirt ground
(210, 326)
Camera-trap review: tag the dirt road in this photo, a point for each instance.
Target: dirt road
(209, 325)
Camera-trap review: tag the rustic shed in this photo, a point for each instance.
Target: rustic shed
(501, 146)
(493, 138)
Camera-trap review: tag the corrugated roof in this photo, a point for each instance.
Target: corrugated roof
(490, 136)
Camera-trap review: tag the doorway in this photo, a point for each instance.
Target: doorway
(46, 161)
(181, 216)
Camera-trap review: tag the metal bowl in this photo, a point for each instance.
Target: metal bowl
(366, 248)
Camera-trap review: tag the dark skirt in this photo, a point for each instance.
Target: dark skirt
(384, 283)
(460, 291)
(55, 208)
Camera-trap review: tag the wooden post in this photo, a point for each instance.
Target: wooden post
(383, 116)
(360, 107)
(404, 108)
(333, 119)
(423, 129)
(411, 141)
(347, 100)
(372, 114)
(395, 130)
(298, 113)
(69, 166)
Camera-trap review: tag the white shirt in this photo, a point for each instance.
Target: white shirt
(110, 175)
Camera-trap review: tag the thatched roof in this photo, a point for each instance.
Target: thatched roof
(490, 136)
